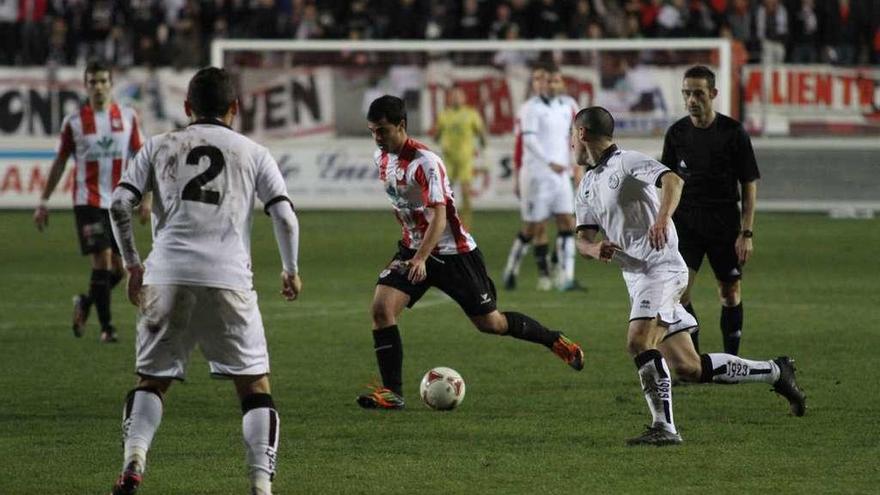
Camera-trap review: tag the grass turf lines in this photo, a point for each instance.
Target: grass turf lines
(529, 423)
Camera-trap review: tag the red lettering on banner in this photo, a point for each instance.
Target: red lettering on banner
(37, 182)
(775, 92)
(823, 89)
(11, 181)
(847, 89)
(802, 87)
(866, 91)
(753, 86)
(791, 91)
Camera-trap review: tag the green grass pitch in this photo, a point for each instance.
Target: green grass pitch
(529, 424)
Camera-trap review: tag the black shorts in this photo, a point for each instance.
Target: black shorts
(710, 232)
(462, 276)
(94, 229)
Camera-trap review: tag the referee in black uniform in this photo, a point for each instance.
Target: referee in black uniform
(714, 155)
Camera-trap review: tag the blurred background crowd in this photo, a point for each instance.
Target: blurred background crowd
(178, 32)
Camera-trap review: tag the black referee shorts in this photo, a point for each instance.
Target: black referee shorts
(462, 276)
(710, 232)
(94, 230)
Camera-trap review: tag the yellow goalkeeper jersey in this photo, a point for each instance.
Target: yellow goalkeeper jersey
(458, 130)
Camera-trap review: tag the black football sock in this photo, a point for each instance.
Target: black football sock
(731, 327)
(541, 259)
(520, 326)
(99, 293)
(695, 334)
(389, 355)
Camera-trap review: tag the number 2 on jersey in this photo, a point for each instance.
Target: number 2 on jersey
(194, 189)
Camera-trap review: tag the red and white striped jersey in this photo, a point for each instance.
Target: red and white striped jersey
(101, 144)
(414, 180)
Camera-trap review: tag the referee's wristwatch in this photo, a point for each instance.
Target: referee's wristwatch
(748, 234)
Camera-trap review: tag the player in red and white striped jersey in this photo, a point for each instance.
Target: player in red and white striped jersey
(435, 251)
(101, 137)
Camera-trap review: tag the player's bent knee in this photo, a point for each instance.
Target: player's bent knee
(160, 385)
(687, 371)
(490, 324)
(382, 315)
(246, 385)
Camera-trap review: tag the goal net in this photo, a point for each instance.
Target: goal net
(307, 100)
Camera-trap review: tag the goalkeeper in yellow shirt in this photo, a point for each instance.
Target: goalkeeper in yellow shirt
(459, 128)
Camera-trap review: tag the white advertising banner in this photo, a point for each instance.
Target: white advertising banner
(812, 100)
(322, 174)
(273, 104)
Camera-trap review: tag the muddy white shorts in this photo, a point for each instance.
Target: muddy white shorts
(224, 323)
(657, 293)
(544, 196)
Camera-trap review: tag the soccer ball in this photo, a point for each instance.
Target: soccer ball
(442, 389)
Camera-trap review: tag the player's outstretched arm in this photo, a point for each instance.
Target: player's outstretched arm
(744, 240)
(417, 269)
(41, 213)
(286, 228)
(121, 207)
(589, 246)
(670, 192)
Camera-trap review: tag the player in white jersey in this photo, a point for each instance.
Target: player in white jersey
(544, 183)
(436, 251)
(618, 197)
(195, 288)
(101, 137)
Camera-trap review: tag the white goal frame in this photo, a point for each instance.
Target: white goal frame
(725, 69)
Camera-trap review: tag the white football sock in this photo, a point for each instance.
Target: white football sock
(519, 249)
(657, 386)
(140, 420)
(727, 368)
(567, 257)
(260, 428)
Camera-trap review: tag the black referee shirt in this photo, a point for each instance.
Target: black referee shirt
(712, 161)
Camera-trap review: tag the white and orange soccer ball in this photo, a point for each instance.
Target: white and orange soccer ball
(442, 389)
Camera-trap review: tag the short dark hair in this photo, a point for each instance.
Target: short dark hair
(547, 66)
(390, 108)
(701, 72)
(97, 65)
(211, 92)
(596, 120)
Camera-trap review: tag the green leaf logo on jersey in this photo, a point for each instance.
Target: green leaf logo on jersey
(105, 142)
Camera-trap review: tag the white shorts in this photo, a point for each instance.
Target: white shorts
(226, 324)
(657, 294)
(544, 196)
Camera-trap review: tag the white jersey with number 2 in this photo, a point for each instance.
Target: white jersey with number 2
(204, 180)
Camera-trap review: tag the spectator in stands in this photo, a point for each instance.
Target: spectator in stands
(548, 20)
(672, 19)
(469, 24)
(406, 20)
(144, 19)
(521, 15)
(8, 32)
(502, 21)
(648, 13)
(804, 33)
(771, 28)
(840, 32)
(701, 20)
(33, 42)
(580, 19)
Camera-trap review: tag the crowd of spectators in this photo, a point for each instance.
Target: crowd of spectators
(178, 32)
